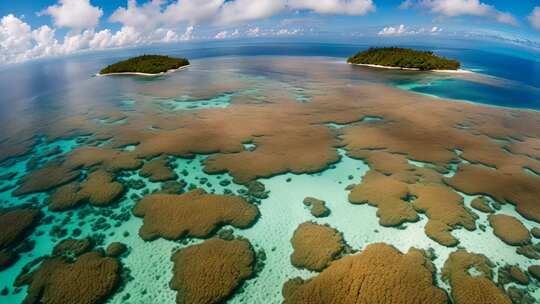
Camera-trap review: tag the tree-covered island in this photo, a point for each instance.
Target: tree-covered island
(404, 58)
(146, 64)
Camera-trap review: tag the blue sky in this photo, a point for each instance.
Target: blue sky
(38, 28)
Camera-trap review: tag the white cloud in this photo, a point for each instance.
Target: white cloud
(457, 7)
(227, 12)
(18, 42)
(247, 10)
(221, 35)
(142, 17)
(393, 31)
(192, 11)
(75, 14)
(227, 35)
(146, 22)
(534, 18)
(288, 32)
(453, 8)
(404, 30)
(346, 7)
(15, 35)
(188, 34)
(253, 32)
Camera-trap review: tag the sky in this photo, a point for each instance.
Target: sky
(31, 29)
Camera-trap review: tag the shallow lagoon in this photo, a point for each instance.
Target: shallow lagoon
(219, 84)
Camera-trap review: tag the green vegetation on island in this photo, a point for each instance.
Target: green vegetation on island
(404, 58)
(146, 64)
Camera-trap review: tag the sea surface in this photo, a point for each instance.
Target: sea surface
(51, 87)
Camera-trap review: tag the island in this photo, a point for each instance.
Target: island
(148, 65)
(403, 58)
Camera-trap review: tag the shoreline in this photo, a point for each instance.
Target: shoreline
(144, 74)
(460, 71)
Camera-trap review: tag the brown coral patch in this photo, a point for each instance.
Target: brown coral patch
(157, 170)
(279, 153)
(397, 166)
(226, 265)
(509, 229)
(481, 204)
(90, 279)
(445, 210)
(529, 147)
(378, 274)
(193, 214)
(535, 232)
(72, 247)
(387, 194)
(107, 159)
(16, 224)
(315, 246)
(511, 184)
(7, 258)
(530, 251)
(99, 189)
(534, 270)
(318, 207)
(46, 178)
(116, 249)
(475, 288)
(519, 276)
(65, 197)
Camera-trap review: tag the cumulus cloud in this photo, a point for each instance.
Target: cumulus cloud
(75, 14)
(192, 11)
(454, 8)
(258, 32)
(247, 10)
(18, 42)
(534, 18)
(253, 32)
(404, 30)
(139, 17)
(150, 21)
(15, 35)
(226, 12)
(393, 31)
(227, 34)
(346, 7)
(288, 32)
(458, 7)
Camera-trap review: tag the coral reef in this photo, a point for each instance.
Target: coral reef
(318, 207)
(15, 225)
(481, 204)
(226, 265)
(445, 210)
(90, 279)
(387, 195)
(378, 274)
(157, 170)
(468, 286)
(509, 229)
(315, 246)
(99, 189)
(193, 214)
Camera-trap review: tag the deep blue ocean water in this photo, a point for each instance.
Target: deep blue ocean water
(33, 85)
